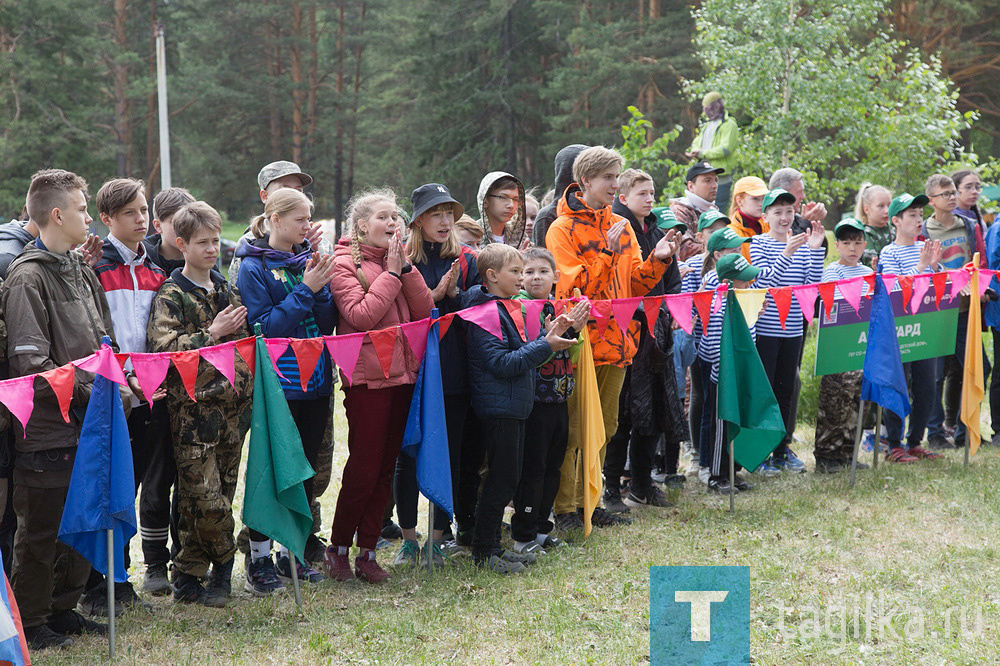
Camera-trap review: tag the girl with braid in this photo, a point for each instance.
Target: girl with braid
(375, 288)
(283, 283)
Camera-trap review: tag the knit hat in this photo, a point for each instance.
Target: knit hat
(711, 97)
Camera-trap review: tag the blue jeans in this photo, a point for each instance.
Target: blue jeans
(920, 377)
(684, 355)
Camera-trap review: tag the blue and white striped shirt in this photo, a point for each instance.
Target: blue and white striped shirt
(803, 267)
(691, 283)
(708, 350)
(838, 271)
(895, 259)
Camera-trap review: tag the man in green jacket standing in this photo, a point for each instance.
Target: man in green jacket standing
(716, 142)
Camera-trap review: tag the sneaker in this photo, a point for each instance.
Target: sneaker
(659, 476)
(498, 565)
(382, 543)
(219, 586)
(654, 497)
(613, 502)
(315, 547)
(338, 567)
(551, 543)
(830, 466)
(675, 481)
(767, 468)
(262, 579)
(604, 518)
(42, 638)
(407, 555)
(156, 581)
(526, 557)
(693, 468)
(789, 462)
(742, 486)
(898, 454)
(567, 522)
(392, 531)
(720, 484)
(464, 538)
(451, 549)
(437, 555)
(367, 569)
(924, 454)
(303, 571)
(187, 588)
(940, 443)
(71, 623)
(704, 474)
(94, 602)
(532, 547)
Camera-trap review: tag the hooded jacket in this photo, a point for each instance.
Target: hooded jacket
(738, 225)
(564, 178)
(502, 370)
(514, 231)
(181, 314)
(389, 301)
(13, 238)
(576, 240)
(270, 284)
(724, 144)
(130, 286)
(152, 244)
(648, 235)
(56, 312)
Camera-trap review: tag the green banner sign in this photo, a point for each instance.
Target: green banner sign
(843, 336)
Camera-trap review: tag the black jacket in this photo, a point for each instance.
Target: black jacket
(564, 178)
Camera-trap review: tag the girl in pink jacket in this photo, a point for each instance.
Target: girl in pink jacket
(374, 287)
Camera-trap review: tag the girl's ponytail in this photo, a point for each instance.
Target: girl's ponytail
(258, 227)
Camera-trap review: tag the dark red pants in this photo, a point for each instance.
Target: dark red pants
(376, 419)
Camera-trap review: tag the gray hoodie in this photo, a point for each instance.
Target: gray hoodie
(13, 238)
(514, 232)
(564, 178)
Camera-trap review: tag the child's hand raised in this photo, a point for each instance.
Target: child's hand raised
(227, 322)
(684, 269)
(92, 249)
(666, 246)
(579, 315)
(318, 271)
(930, 255)
(447, 285)
(315, 235)
(794, 243)
(554, 328)
(817, 235)
(395, 258)
(615, 236)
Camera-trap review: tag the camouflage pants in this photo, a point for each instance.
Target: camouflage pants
(837, 420)
(208, 441)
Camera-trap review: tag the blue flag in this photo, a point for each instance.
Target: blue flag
(426, 435)
(884, 382)
(101, 492)
(13, 649)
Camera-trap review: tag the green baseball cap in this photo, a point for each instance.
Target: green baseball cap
(736, 267)
(906, 200)
(666, 220)
(723, 239)
(777, 195)
(710, 217)
(848, 223)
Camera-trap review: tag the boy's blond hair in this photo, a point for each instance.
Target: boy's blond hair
(629, 178)
(195, 216)
(594, 161)
(495, 256)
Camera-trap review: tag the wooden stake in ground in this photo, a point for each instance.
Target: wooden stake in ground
(878, 438)
(111, 594)
(294, 566)
(857, 438)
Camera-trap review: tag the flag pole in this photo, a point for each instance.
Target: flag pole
(430, 537)
(732, 475)
(857, 438)
(878, 436)
(111, 594)
(968, 443)
(294, 562)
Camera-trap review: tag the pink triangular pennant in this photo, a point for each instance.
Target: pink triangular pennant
(623, 309)
(921, 283)
(19, 397)
(104, 364)
(719, 298)
(806, 296)
(416, 337)
(985, 277)
(680, 307)
(513, 309)
(889, 281)
(276, 347)
(150, 370)
(959, 278)
(486, 316)
(602, 313)
(223, 358)
(344, 350)
(533, 318)
(851, 290)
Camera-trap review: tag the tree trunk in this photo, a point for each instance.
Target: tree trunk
(508, 57)
(119, 91)
(312, 92)
(338, 150)
(356, 102)
(298, 94)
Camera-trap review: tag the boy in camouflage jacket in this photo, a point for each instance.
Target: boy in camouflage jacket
(197, 308)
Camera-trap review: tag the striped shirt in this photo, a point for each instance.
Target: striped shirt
(708, 350)
(691, 283)
(895, 259)
(803, 267)
(838, 271)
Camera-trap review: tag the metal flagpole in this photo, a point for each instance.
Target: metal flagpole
(878, 436)
(430, 537)
(294, 562)
(732, 476)
(161, 94)
(857, 438)
(111, 594)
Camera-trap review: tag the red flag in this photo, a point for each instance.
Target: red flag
(247, 347)
(906, 284)
(870, 279)
(651, 304)
(384, 342)
(61, 381)
(514, 310)
(307, 352)
(445, 324)
(603, 318)
(186, 363)
(703, 302)
(122, 360)
(939, 280)
(827, 291)
(783, 301)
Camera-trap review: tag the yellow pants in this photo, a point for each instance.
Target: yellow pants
(610, 379)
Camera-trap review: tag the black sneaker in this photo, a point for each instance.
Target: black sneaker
(720, 484)
(830, 466)
(604, 518)
(941, 443)
(613, 502)
(315, 547)
(654, 497)
(94, 602)
(392, 531)
(187, 588)
(675, 481)
(221, 579)
(128, 600)
(262, 579)
(567, 522)
(463, 538)
(156, 581)
(42, 638)
(304, 572)
(71, 623)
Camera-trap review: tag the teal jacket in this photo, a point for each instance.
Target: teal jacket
(722, 154)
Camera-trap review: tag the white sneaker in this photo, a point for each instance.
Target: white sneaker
(704, 474)
(693, 468)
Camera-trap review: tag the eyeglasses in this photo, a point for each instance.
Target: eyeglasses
(950, 194)
(972, 187)
(504, 198)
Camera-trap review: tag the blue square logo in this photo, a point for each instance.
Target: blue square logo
(699, 615)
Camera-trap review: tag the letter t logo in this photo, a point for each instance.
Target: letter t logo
(701, 610)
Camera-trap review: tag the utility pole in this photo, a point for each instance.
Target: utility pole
(161, 93)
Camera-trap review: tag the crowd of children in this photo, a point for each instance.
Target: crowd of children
(512, 415)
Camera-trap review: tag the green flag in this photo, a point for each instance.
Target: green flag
(275, 502)
(746, 402)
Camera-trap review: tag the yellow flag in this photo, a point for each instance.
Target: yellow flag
(973, 386)
(751, 301)
(591, 421)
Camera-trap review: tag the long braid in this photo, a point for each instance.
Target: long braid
(356, 255)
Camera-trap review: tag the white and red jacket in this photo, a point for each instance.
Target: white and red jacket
(130, 282)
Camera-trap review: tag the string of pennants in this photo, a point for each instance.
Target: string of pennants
(151, 369)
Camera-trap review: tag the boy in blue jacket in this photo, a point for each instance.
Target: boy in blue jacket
(502, 386)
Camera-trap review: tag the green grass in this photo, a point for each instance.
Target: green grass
(923, 536)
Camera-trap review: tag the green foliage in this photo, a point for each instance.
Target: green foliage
(817, 88)
(653, 157)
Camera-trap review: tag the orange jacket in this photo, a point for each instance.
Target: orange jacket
(576, 239)
(745, 231)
